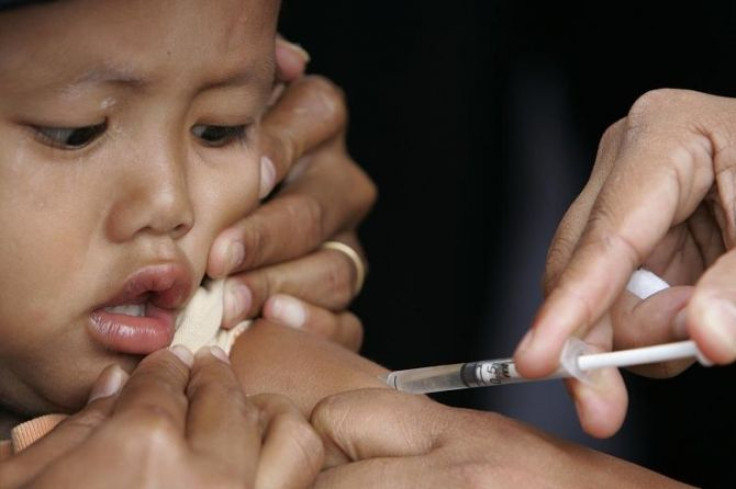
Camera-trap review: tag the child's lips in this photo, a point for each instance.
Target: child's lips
(158, 292)
(137, 335)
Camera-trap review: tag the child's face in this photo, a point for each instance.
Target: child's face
(127, 141)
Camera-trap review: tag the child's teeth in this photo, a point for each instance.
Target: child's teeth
(128, 309)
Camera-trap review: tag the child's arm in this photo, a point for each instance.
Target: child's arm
(436, 445)
(272, 358)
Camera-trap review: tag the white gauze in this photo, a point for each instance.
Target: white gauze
(199, 324)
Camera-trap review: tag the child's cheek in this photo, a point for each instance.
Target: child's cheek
(225, 196)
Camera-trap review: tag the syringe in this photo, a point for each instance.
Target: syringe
(503, 371)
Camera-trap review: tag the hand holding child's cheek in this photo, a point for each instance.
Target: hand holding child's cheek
(291, 60)
(278, 247)
(343, 328)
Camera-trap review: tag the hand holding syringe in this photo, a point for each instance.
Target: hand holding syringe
(503, 371)
(574, 362)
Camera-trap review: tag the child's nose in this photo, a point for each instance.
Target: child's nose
(153, 198)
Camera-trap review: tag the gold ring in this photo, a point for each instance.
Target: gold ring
(353, 256)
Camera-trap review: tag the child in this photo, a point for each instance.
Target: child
(128, 140)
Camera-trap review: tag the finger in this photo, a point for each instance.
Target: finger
(653, 321)
(311, 111)
(292, 453)
(343, 328)
(353, 425)
(711, 313)
(325, 278)
(601, 403)
(601, 399)
(222, 425)
(291, 60)
(70, 433)
(302, 209)
(156, 389)
(573, 223)
(630, 216)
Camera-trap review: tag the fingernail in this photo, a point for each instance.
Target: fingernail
(110, 385)
(219, 353)
(719, 318)
(679, 325)
(288, 311)
(235, 255)
(237, 301)
(183, 354)
(268, 177)
(294, 49)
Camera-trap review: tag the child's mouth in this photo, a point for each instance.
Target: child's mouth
(142, 318)
(136, 310)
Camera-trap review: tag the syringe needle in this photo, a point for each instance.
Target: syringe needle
(503, 371)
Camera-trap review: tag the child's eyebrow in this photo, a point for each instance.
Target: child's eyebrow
(116, 76)
(110, 75)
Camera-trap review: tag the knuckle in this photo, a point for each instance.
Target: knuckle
(645, 114)
(255, 239)
(331, 414)
(365, 190)
(339, 278)
(609, 143)
(654, 102)
(279, 147)
(475, 475)
(153, 429)
(353, 328)
(86, 420)
(306, 440)
(557, 258)
(602, 234)
(328, 101)
(307, 216)
(657, 112)
(205, 385)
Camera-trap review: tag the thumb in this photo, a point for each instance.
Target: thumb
(369, 423)
(711, 314)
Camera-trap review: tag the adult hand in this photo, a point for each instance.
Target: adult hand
(324, 195)
(387, 439)
(167, 427)
(661, 195)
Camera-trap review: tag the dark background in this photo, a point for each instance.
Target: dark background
(479, 120)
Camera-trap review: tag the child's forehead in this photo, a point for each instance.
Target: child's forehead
(136, 41)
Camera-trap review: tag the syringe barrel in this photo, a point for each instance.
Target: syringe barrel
(456, 376)
(428, 379)
(442, 378)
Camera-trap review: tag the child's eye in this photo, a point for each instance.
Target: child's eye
(218, 136)
(70, 137)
